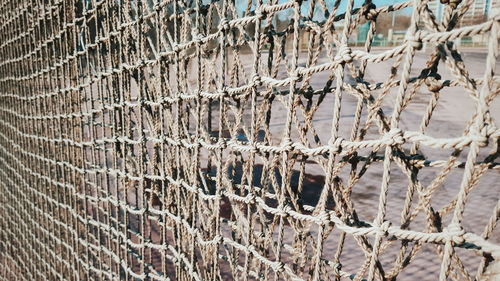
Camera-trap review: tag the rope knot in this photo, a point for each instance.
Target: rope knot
(295, 76)
(384, 227)
(178, 141)
(224, 24)
(261, 12)
(255, 147)
(337, 267)
(278, 267)
(251, 198)
(221, 143)
(433, 83)
(224, 91)
(175, 47)
(287, 145)
(336, 145)
(344, 54)
(324, 218)
(371, 12)
(481, 140)
(218, 239)
(454, 3)
(199, 142)
(285, 210)
(394, 136)
(454, 232)
(415, 41)
(256, 80)
(197, 37)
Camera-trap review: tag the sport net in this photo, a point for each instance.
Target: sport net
(246, 140)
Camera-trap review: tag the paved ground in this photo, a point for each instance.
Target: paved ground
(454, 109)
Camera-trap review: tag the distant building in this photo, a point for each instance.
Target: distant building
(437, 9)
(479, 11)
(495, 8)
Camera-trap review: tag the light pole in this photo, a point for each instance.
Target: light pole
(391, 30)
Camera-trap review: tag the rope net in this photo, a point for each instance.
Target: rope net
(245, 140)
